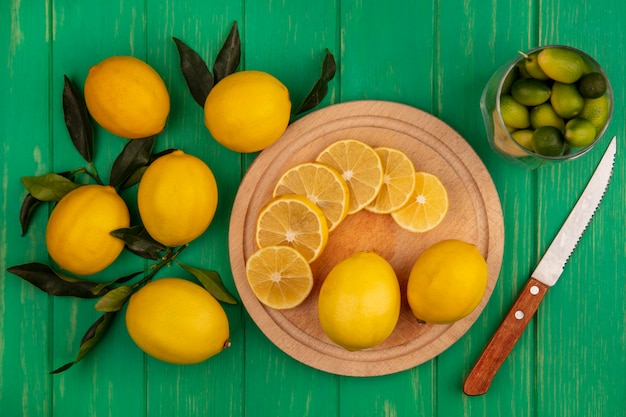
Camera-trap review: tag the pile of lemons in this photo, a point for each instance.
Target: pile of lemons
(178, 321)
(360, 299)
(172, 319)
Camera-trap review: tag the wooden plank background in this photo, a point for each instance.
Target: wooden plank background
(433, 55)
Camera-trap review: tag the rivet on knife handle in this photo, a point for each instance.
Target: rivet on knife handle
(505, 338)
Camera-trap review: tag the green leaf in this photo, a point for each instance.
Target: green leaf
(29, 204)
(139, 241)
(77, 120)
(115, 299)
(135, 155)
(48, 187)
(119, 280)
(195, 71)
(48, 280)
(212, 281)
(229, 56)
(91, 338)
(320, 88)
(135, 177)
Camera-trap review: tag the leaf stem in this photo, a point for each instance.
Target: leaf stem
(94, 173)
(167, 259)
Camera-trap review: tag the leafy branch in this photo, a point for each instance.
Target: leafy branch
(111, 298)
(126, 171)
(200, 80)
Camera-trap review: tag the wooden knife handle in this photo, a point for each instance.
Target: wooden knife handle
(505, 338)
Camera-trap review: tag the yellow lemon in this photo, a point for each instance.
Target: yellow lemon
(127, 97)
(427, 207)
(247, 111)
(359, 301)
(293, 220)
(177, 321)
(447, 282)
(322, 184)
(279, 276)
(361, 168)
(398, 181)
(78, 234)
(177, 198)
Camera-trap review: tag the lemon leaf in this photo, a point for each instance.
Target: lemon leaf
(139, 242)
(29, 204)
(135, 177)
(77, 120)
(320, 88)
(212, 282)
(115, 299)
(98, 288)
(135, 155)
(48, 187)
(229, 56)
(91, 337)
(195, 71)
(49, 281)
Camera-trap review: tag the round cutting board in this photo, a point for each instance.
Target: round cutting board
(474, 216)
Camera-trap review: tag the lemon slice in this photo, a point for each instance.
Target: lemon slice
(293, 220)
(280, 277)
(321, 184)
(427, 206)
(398, 181)
(360, 166)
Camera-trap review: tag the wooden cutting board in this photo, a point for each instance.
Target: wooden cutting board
(474, 216)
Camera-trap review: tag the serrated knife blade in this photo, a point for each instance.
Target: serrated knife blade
(545, 275)
(553, 262)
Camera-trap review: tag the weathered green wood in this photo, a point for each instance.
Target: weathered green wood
(25, 324)
(86, 42)
(291, 46)
(436, 56)
(486, 36)
(213, 385)
(581, 339)
(396, 68)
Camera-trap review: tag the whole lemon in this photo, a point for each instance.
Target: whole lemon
(177, 321)
(247, 111)
(447, 282)
(359, 301)
(78, 234)
(177, 198)
(127, 97)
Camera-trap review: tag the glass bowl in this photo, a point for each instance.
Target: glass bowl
(499, 135)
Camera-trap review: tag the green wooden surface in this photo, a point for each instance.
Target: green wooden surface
(436, 56)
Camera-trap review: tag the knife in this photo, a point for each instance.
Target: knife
(544, 276)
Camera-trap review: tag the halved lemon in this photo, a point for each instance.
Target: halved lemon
(360, 167)
(427, 207)
(398, 181)
(279, 276)
(321, 184)
(293, 220)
